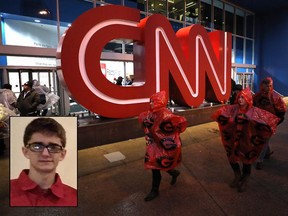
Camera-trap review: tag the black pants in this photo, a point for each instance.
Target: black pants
(156, 177)
(246, 169)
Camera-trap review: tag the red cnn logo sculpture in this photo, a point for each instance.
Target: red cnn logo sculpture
(190, 65)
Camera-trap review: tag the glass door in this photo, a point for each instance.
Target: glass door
(46, 78)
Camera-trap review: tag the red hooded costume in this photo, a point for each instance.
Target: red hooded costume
(244, 132)
(162, 133)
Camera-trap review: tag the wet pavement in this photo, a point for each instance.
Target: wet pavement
(112, 181)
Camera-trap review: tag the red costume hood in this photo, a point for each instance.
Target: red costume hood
(246, 93)
(160, 101)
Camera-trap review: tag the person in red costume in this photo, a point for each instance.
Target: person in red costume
(163, 144)
(272, 102)
(244, 130)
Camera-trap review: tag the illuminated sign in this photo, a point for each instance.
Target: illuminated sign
(187, 64)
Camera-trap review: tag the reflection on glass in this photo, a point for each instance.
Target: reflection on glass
(176, 9)
(192, 11)
(218, 15)
(249, 25)
(239, 50)
(157, 7)
(229, 18)
(240, 22)
(249, 52)
(139, 4)
(206, 13)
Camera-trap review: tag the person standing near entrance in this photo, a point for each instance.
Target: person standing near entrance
(8, 97)
(163, 144)
(272, 102)
(28, 100)
(7, 108)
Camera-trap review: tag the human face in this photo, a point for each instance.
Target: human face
(26, 88)
(151, 104)
(242, 102)
(44, 162)
(267, 87)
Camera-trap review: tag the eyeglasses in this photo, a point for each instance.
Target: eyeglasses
(39, 147)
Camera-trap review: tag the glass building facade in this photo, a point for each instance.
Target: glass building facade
(31, 30)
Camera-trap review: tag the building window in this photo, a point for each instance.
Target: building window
(218, 15)
(240, 22)
(206, 13)
(249, 25)
(229, 18)
(176, 10)
(239, 50)
(192, 11)
(156, 6)
(249, 52)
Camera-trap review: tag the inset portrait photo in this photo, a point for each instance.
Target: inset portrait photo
(43, 161)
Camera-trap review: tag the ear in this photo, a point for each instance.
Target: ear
(25, 152)
(63, 154)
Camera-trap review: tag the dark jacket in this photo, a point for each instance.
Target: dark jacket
(28, 105)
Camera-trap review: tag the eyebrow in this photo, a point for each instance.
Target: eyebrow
(41, 143)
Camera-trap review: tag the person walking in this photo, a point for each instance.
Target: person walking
(272, 102)
(163, 144)
(43, 91)
(244, 130)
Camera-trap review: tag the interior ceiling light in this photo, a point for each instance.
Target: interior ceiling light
(44, 12)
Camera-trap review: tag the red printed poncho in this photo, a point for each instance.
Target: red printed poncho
(162, 133)
(244, 132)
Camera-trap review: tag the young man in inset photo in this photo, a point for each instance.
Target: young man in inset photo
(45, 148)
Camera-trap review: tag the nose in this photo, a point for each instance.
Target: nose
(45, 152)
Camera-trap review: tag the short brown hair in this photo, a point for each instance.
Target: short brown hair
(46, 126)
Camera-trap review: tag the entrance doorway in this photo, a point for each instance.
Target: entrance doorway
(48, 78)
(244, 75)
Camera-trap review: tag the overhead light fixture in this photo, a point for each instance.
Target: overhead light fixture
(191, 4)
(44, 12)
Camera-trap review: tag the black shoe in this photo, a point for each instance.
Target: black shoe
(242, 186)
(259, 165)
(151, 195)
(235, 181)
(175, 174)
